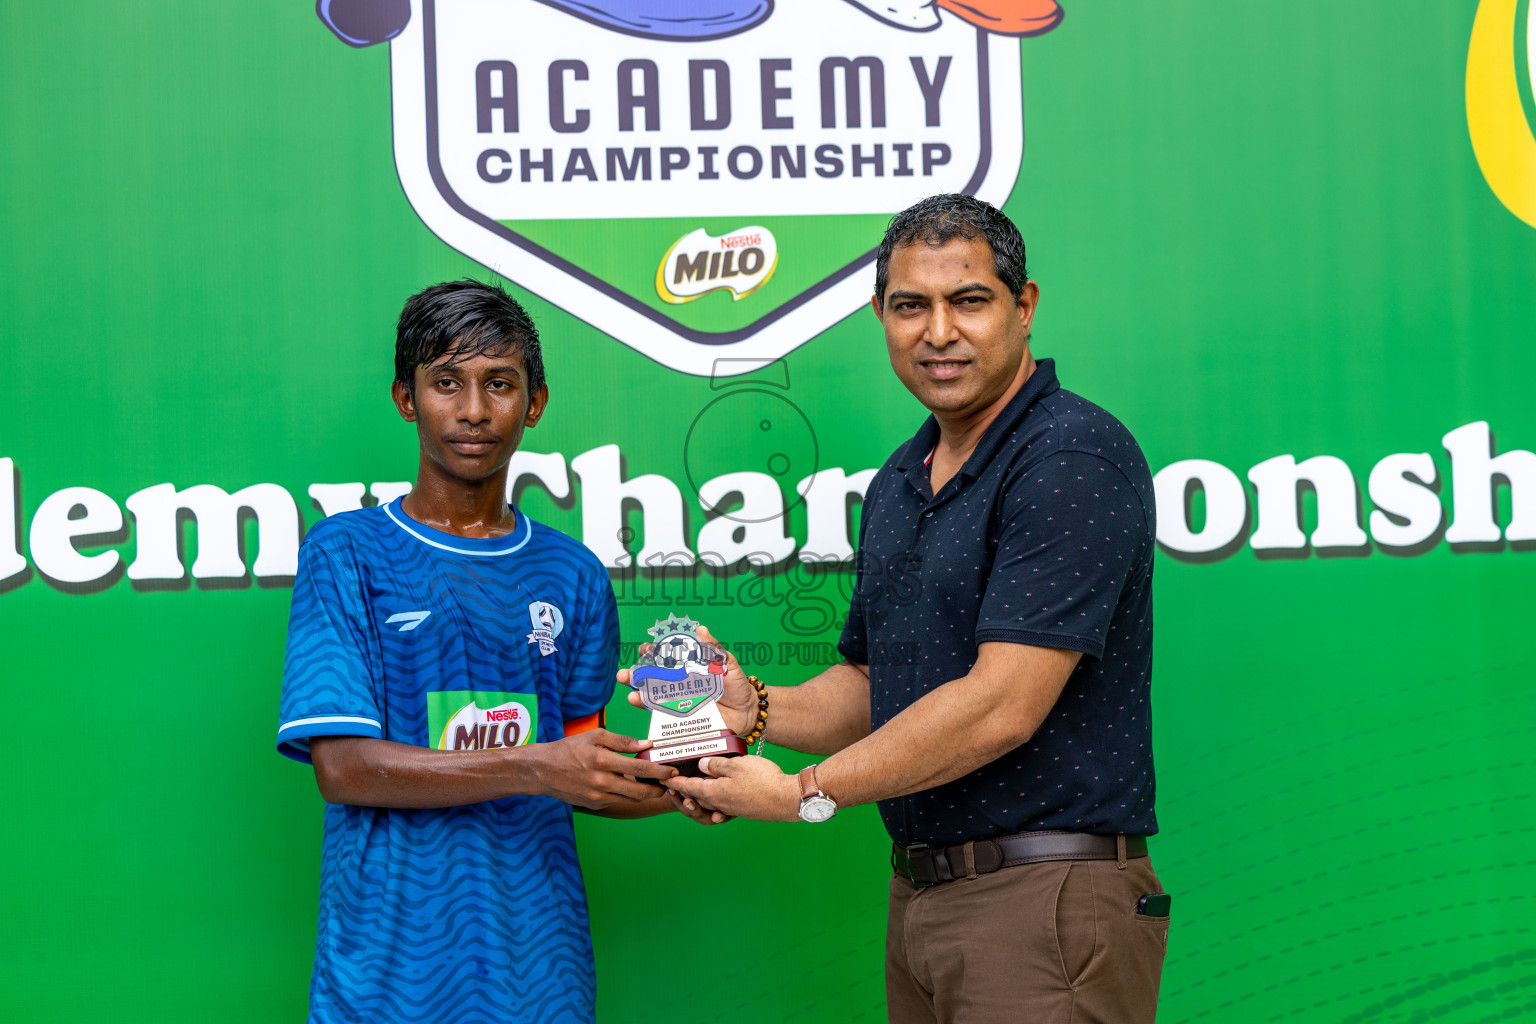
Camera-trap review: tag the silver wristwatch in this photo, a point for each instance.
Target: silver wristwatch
(814, 804)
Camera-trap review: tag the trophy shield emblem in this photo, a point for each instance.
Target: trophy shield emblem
(679, 681)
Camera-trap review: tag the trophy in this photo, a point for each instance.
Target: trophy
(679, 681)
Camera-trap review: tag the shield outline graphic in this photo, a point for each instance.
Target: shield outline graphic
(653, 333)
(703, 689)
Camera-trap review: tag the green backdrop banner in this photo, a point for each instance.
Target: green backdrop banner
(1291, 246)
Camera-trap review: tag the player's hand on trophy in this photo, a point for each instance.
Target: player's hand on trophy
(738, 706)
(590, 769)
(745, 787)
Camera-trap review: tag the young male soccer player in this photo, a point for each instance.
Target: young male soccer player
(448, 664)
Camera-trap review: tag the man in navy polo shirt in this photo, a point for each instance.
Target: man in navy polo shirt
(995, 693)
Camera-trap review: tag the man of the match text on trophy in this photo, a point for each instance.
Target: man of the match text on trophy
(448, 663)
(999, 709)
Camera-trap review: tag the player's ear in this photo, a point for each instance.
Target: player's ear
(536, 406)
(405, 402)
(874, 303)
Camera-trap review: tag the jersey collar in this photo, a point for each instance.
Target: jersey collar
(482, 546)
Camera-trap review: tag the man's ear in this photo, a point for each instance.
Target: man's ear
(874, 303)
(405, 404)
(1029, 301)
(536, 406)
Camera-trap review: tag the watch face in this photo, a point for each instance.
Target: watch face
(817, 808)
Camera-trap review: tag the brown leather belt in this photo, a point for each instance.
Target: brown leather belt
(923, 865)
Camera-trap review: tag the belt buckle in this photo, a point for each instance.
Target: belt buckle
(907, 851)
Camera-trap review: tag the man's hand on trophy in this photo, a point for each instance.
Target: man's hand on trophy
(745, 787)
(738, 705)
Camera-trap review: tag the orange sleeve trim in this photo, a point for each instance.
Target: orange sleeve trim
(586, 723)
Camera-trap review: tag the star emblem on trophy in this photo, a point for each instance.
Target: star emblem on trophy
(679, 679)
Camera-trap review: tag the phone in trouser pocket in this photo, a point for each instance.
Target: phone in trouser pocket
(1154, 904)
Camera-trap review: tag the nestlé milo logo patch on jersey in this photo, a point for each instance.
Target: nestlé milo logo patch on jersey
(481, 719)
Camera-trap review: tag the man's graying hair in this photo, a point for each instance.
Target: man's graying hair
(937, 219)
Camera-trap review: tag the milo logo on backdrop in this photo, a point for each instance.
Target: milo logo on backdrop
(1503, 135)
(695, 179)
(698, 263)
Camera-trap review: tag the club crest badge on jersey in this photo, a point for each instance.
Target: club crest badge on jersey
(696, 179)
(548, 622)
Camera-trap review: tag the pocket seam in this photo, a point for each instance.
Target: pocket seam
(1072, 982)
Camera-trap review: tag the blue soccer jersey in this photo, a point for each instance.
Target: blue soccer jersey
(474, 913)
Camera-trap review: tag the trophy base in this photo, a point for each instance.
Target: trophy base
(684, 754)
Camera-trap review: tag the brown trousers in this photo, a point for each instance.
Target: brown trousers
(1058, 942)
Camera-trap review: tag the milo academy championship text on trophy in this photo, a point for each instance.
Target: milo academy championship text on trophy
(679, 680)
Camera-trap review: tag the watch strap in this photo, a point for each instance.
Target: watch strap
(808, 787)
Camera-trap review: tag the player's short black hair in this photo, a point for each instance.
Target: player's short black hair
(467, 318)
(937, 219)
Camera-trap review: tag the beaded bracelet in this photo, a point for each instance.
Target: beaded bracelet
(756, 735)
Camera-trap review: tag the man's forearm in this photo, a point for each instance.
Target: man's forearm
(952, 730)
(824, 714)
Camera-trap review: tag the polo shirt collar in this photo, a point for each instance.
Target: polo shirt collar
(1040, 383)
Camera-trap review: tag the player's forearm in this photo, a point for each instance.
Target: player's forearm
(371, 772)
(589, 769)
(951, 731)
(824, 714)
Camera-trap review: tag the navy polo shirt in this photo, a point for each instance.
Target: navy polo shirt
(1045, 537)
